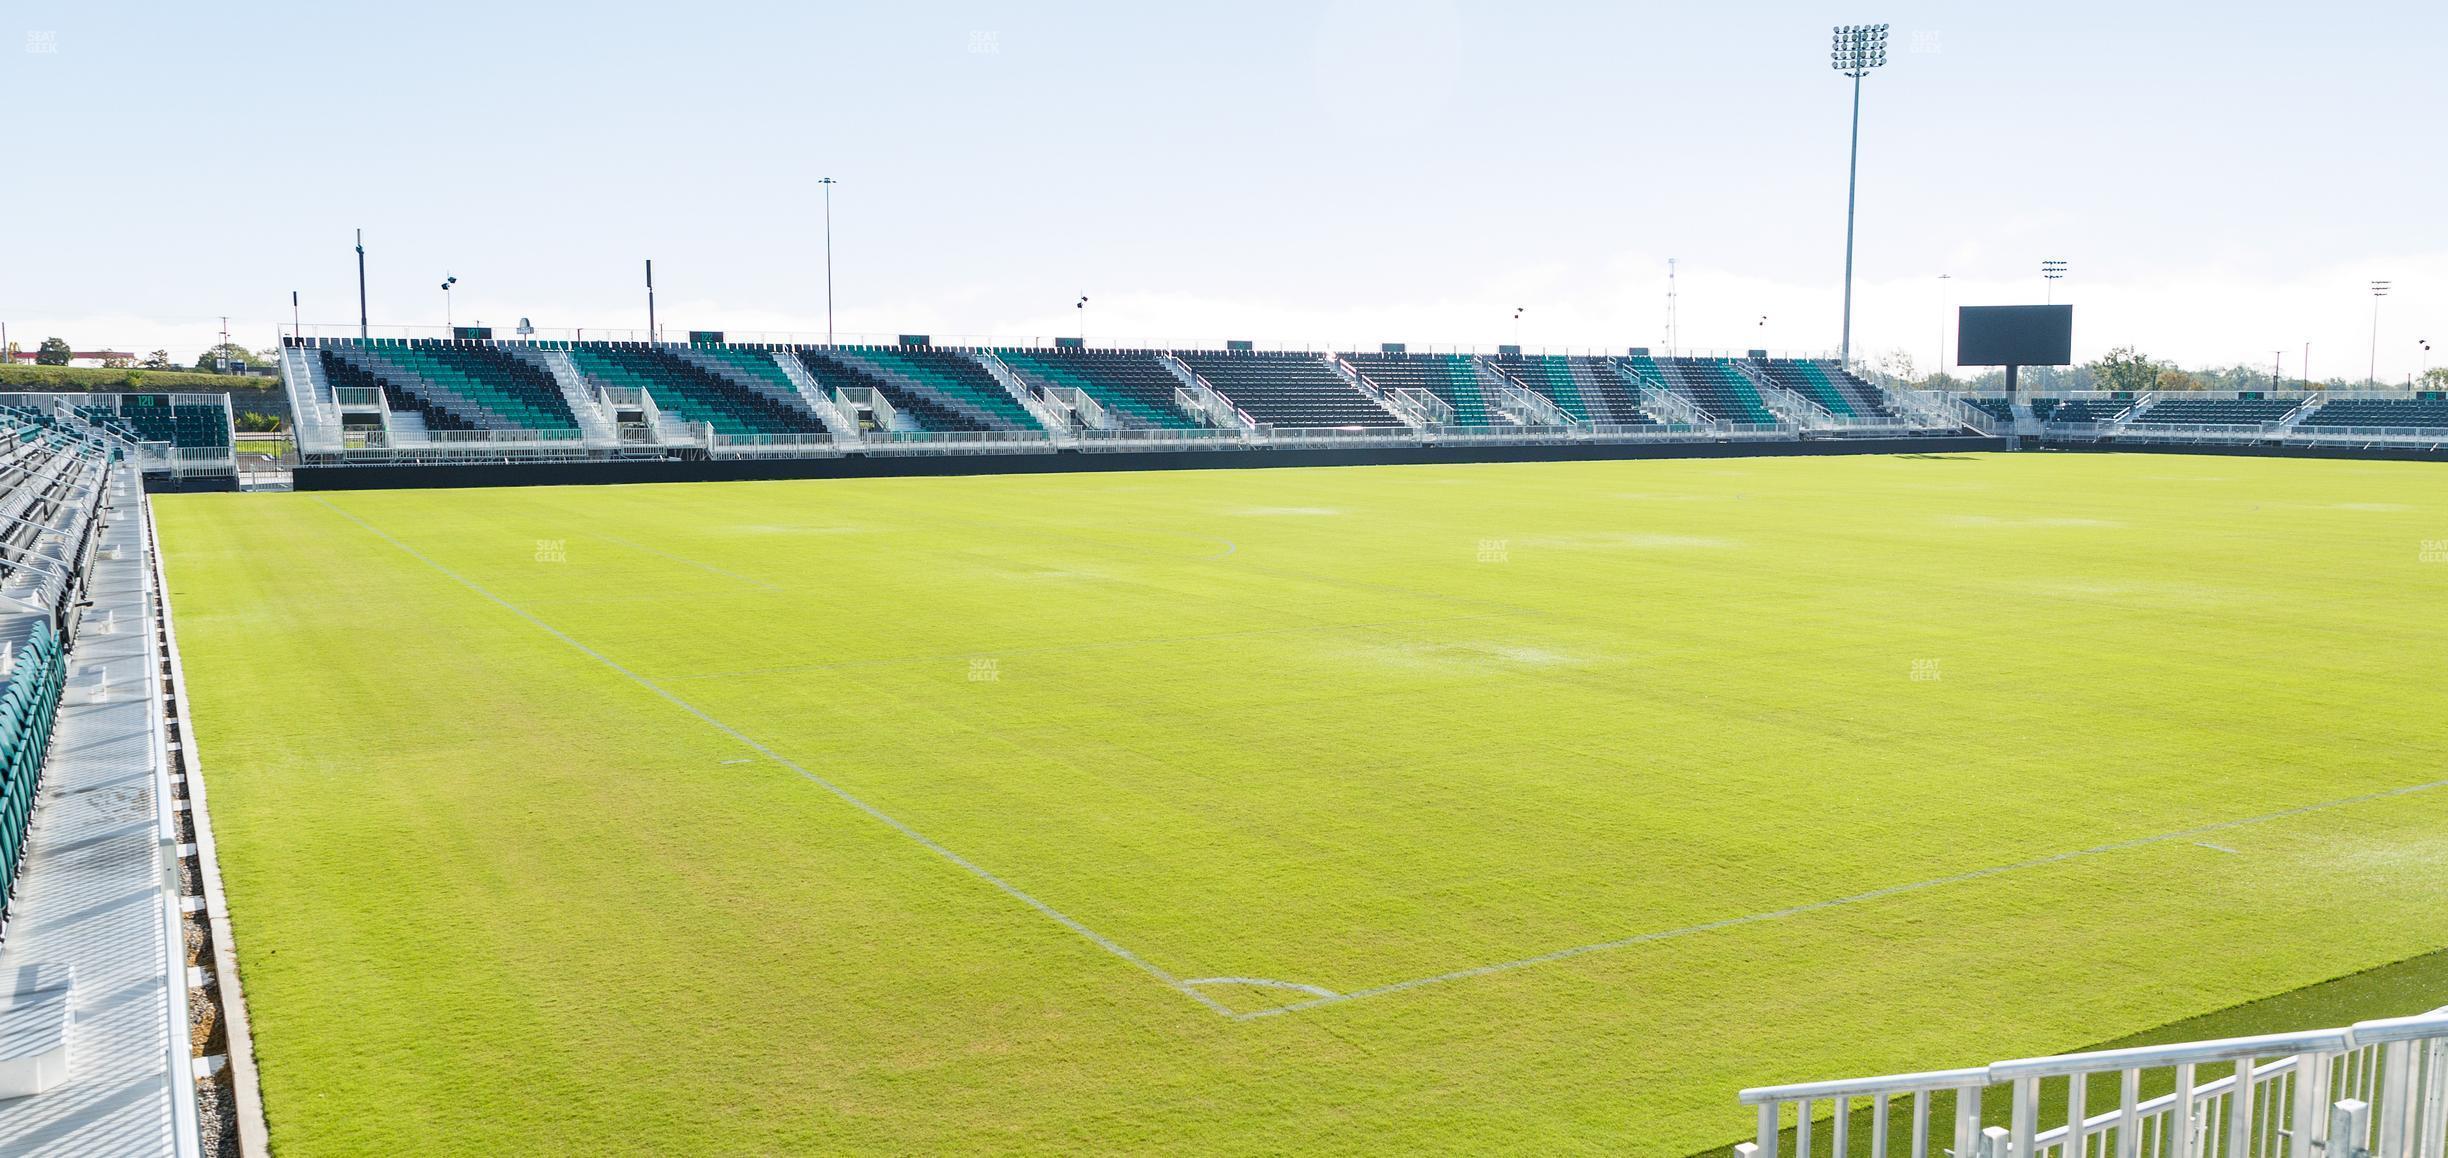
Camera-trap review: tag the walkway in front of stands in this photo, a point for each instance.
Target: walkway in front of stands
(93, 894)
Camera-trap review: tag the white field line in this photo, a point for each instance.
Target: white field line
(1328, 997)
(1838, 902)
(1264, 983)
(1100, 940)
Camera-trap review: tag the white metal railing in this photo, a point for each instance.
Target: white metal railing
(1665, 403)
(780, 445)
(1162, 437)
(2375, 1089)
(1421, 407)
(1010, 382)
(1544, 432)
(956, 441)
(1508, 395)
(2316, 432)
(1272, 435)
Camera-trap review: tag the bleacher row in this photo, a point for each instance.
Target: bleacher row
(746, 391)
(2311, 413)
(50, 507)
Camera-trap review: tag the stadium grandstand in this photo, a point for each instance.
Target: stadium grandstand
(1092, 579)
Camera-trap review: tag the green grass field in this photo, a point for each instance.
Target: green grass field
(939, 814)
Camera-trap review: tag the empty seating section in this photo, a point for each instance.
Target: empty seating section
(160, 419)
(753, 366)
(1133, 386)
(1587, 389)
(475, 385)
(2424, 412)
(1452, 377)
(694, 393)
(344, 374)
(2080, 409)
(1715, 386)
(1798, 378)
(950, 379)
(1830, 385)
(28, 708)
(1288, 389)
(1997, 405)
(109, 422)
(52, 483)
(921, 410)
(2219, 411)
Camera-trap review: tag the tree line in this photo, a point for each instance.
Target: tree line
(57, 351)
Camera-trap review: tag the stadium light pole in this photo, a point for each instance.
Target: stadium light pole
(362, 329)
(827, 182)
(1517, 313)
(1082, 306)
(650, 318)
(1858, 48)
(447, 282)
(2371, 376)
(2050, 270)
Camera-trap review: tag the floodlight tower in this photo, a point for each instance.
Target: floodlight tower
(2371, 376)
(828, 184)
(1858, 48)
(2050, 271)
(447, 282)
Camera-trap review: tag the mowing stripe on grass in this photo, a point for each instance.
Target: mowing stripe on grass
(708, 568)
(1855, 899)
(1059, 917)
(1325, 997)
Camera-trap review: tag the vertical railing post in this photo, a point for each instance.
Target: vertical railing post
(1967, 1120)
(2078, 1092)
(2027, 1114)
(1995, 1143)
(1920, 1124)
(2395, 1089)
(2178, 1142)
(2311, 1097)
(2240, 1111)
(2433, 1137)
(2129, 1114)
(2349, 1129)
(1766, 1146)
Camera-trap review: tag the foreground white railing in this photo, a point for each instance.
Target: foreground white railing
(2375, 1089)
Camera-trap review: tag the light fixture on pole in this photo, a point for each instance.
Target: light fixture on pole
(2371, 376)
(447, 282)
(1517, 313)
(828, 183)
(2425, 343)
(362, 328)
(651, 333)
(2050, 271)
(1857, 49)
(1082, 307)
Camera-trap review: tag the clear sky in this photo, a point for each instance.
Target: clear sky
(2224, 180)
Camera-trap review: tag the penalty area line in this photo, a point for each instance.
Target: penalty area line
(1009, 889)
(2186, 834)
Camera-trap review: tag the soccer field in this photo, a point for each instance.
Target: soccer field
(1525, 808)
